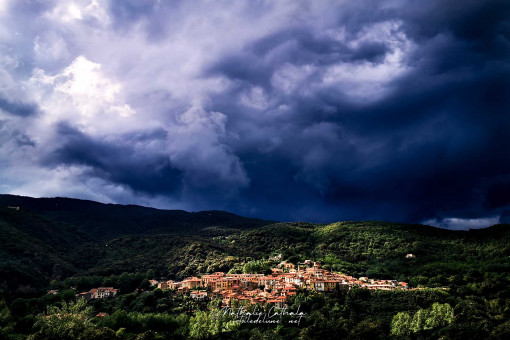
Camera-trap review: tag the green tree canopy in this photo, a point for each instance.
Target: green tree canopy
(67, 322)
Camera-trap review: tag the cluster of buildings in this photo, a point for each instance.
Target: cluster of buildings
(272, 289)
(98, 293)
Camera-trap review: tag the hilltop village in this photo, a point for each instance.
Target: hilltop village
(274, 289)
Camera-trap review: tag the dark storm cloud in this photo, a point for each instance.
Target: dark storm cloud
(257, 64)
(117, 162)
(430, 149)
(321, 111)
(498, 195)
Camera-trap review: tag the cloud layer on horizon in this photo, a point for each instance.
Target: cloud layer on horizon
(290, 110)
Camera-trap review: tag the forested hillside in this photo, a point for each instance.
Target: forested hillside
(104, 221)
(474, 258)
(465, 275)
(34, 249)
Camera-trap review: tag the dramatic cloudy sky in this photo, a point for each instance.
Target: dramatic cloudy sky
(291, 110)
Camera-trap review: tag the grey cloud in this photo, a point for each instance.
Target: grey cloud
(17, 108)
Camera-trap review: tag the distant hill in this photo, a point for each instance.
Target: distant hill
(105, 221)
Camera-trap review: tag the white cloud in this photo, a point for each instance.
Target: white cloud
(457, 223)
(255, 98)
(291, 78)
(84, 95)
(367, 81)
(70, 11)
(196, 146)
(3, 6)
(50, 48)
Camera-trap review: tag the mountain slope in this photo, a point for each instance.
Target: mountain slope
(33, 249)
(105, 221)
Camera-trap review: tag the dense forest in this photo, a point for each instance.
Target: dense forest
(71, 246)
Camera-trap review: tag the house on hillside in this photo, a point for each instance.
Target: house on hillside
(191, 282)
(404, 285)
(85, 296)
(103, 292)
(278, 302)
(165, 285)
(410, 256)
(317, 285)
(198, 295)
(286, 265)
(276, 258)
